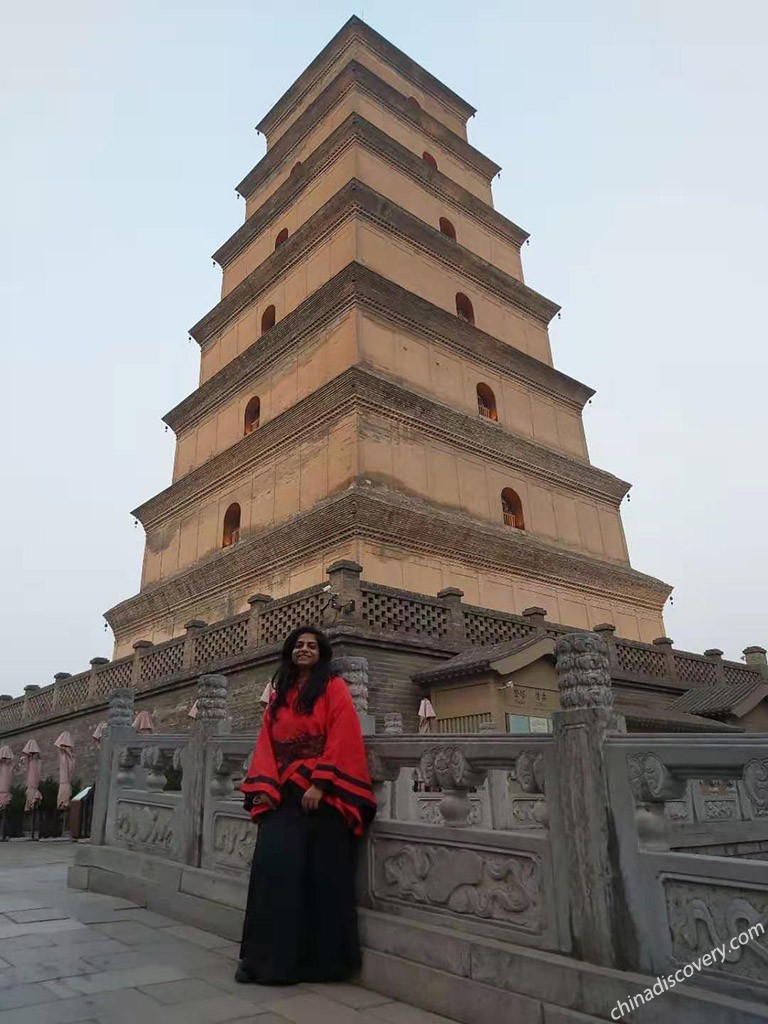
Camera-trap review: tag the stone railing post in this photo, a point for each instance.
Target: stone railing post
(715, 655)
(139, 649)
(258, 603)
(607, 632)
(96, 664)
(665, 645)
(755, 657)
(29, 691)
(211, 721)
(58, 679)
(355, 672)
(191, 628)
(535, 617)
(119, 719)
(456, 630)
(344, 577)
(580, 729)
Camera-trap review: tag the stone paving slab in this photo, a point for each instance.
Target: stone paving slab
(68, 957)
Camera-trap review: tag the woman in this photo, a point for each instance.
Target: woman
(309, 788)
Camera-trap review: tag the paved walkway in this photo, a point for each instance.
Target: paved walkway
(68, 956)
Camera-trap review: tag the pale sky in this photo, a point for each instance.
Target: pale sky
(632, 137)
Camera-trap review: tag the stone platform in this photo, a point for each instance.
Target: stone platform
(68, 956)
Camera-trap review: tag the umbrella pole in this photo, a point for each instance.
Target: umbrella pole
(5, 837)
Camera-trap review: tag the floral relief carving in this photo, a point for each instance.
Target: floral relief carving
(234, 840)
(145, 825)
(496, 887)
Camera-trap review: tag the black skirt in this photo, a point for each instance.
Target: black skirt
(300, 920)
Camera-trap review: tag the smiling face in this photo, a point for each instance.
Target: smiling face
(306, 652)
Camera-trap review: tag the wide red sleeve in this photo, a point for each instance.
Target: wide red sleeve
(342, 769)
(262, 774)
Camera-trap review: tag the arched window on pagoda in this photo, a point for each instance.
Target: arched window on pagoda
(252, 415)
(447, 228)
(296, 166)
(464, 308)
(512, 509)
(282, 237)
(486, 402)
(429, 160)
(231, 533)
(267, 319)
(414, 103)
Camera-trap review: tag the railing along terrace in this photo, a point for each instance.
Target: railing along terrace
(443, 621)
(692, 824)
(581, 842)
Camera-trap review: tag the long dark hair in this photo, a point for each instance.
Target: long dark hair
(287, 673)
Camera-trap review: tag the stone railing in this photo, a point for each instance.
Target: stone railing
(486, 850)
(691, 819)
(443, 623)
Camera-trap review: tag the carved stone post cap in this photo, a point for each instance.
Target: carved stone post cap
(62, 675)
(535, 613)
(259, 599)
(5, 697)
(99, 661)
(344, 564)
(393, 723)
(31, 688)
(450, 592)
(755, 650)
(605, 628)
(583, 672)
(211, 697)
(140, 644)
(713, 652)
(120, 714)
(195, 624)
(663, 641)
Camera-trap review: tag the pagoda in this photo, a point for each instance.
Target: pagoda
(377, 384)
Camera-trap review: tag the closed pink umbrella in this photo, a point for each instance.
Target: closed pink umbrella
(31, 752)
(143, 722)
(6, 770)
(426, 715)
(66, 766)
(98, 732)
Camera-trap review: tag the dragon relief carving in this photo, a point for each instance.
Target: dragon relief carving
(146, 825)
(703, 917)
(466, 882)
(234, 840)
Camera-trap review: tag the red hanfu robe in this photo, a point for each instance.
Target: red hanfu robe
(325, 749)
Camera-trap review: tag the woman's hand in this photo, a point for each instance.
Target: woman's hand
(311, 799)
